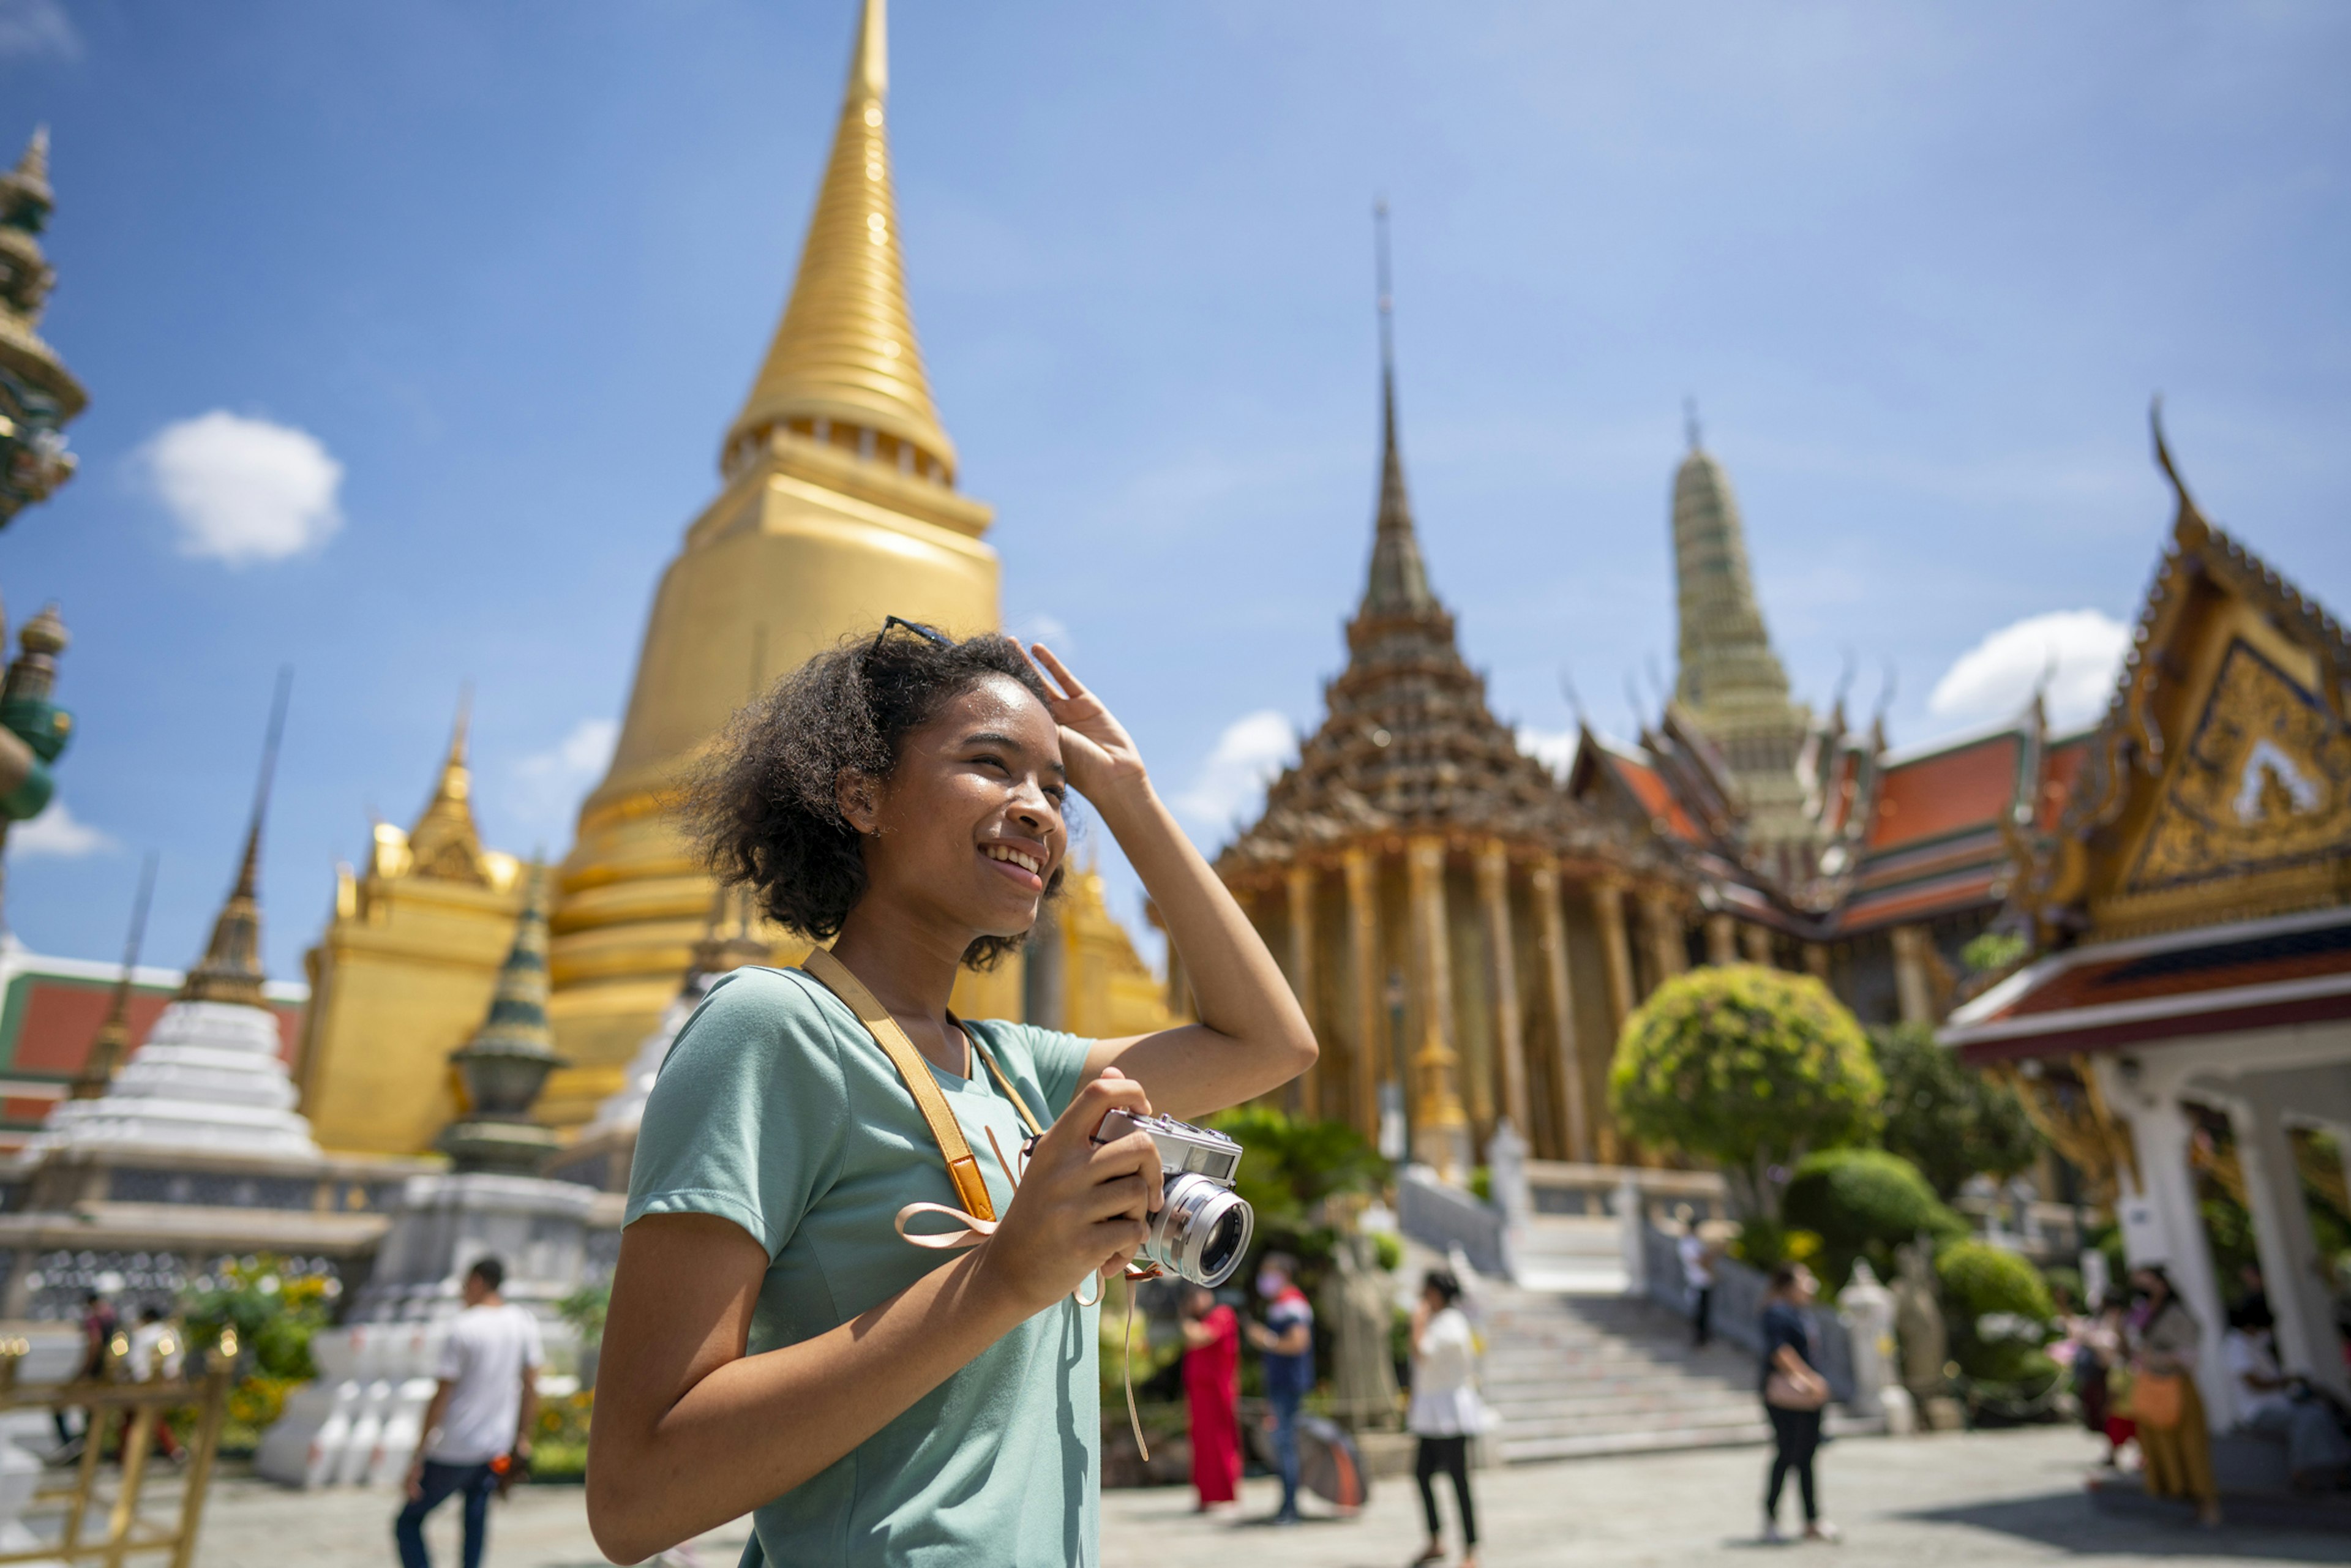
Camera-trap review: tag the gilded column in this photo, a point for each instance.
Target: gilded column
(1301, 973)
(1608, 904)
(1551, 940)
(1501, 967)
(1440, 1126)
(1721, 939)
(1757, 939)
(1663, 929)
(1363, 951)
(1910, 983)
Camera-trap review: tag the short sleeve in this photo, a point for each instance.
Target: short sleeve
(746, 1120)
(454, 1358)
(1058, 1059)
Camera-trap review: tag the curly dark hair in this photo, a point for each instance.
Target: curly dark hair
(765, 809)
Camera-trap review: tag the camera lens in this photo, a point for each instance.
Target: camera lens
(1225, 1243)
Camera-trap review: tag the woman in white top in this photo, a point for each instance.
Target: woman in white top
(1446, 1410)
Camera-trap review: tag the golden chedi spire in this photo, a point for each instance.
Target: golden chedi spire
(446, 843)
(844, 360)
(836, 508)
(112, 1044)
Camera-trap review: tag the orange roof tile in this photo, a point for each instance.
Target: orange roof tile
(1966, 786)
(1655, 798)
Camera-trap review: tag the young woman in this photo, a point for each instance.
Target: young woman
(2174, 1446)
(774, 1342)
(1212, 1395)
(1446, 1411)
(1795, 1395)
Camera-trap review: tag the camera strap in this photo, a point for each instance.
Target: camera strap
(963, 1166)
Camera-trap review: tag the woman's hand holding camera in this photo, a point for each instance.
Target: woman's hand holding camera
(1082, 1207)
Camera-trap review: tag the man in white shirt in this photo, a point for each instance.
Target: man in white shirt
(2272, 1404)
(477, 1428)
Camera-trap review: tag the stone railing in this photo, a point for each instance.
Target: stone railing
(1447, 1218)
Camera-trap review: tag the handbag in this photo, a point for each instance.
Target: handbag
(2155, 1399)
(1789, 1391)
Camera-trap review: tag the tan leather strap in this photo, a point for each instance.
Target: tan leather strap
(963, 1166)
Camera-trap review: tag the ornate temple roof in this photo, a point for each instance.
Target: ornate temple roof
(845, 353)
(1407, 744)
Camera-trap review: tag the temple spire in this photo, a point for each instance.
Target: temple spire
(1398, 582)
(2188, 523)
(230, 970)
(447, 843)
(1727, 661)
(844, 366)
(113, 1041)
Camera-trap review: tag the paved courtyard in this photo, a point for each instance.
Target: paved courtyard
(1987, 1501)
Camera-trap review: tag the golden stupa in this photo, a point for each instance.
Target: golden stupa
(837, 508)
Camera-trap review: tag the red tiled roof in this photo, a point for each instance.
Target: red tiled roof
(1942, 896)
(1966, 786)
(2060, 765)
(1655, 798)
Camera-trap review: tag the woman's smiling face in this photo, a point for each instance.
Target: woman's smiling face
(968, 829)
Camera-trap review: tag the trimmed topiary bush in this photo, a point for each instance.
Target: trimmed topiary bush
(1748, 1068)
(1979, 1279)
(1865, 1203)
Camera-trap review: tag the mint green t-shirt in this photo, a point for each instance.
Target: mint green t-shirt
(776, 1110)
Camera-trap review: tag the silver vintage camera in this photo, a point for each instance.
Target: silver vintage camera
(1203, 1227)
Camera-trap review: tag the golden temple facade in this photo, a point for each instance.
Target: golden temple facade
(401, 976)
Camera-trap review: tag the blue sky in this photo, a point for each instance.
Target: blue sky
(475, 290)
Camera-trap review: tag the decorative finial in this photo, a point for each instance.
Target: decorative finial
(1690, 422)
(2188, 523)
(1387, 297)
(1574, 699)
(34, 163)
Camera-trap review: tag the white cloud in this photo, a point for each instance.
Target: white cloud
(56, 832)
(1555, 748)
(553, 781)
(1250, 754)
(32, 28)
(243, 490)
(2077, 652)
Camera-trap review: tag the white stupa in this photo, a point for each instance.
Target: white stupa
(208, 1078)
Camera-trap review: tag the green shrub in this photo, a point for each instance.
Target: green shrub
(1946, 1118)
(1389, 1249)
(1748, 1068)
(1865, 1203)
(1979, 1280)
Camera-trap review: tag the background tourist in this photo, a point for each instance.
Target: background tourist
(1212, 1395)
(1287, 1340)
(1795, 1395)
(2272, 1404)
(776, 1344)
(1698, 1276)
(480, 1412)
(1446, 1413)
(2174, 1443)
(97, 1326)
(154, 1352)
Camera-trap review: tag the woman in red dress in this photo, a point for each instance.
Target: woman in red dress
(1212, 1389)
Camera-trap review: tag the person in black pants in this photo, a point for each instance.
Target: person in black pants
(1795, 1394)
(1446, 1411)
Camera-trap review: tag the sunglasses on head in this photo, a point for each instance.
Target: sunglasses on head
(927, 634)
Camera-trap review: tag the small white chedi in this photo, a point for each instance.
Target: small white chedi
(209, 1076)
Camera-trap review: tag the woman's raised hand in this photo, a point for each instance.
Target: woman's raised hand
(1082, 1207)
(1095, 747)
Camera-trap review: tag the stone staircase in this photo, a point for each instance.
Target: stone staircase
(1575, 1376)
